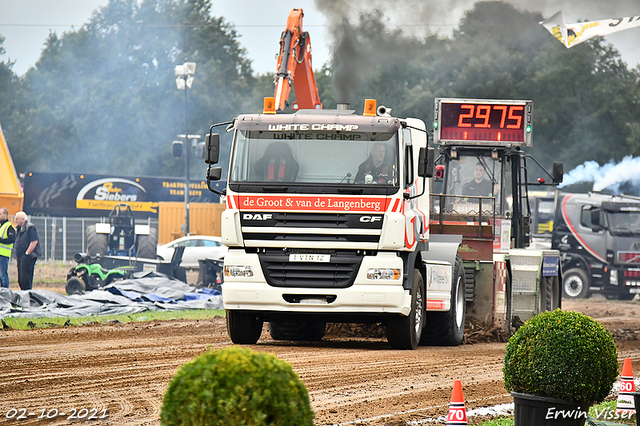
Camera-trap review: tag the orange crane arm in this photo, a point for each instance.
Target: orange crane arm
(294, 67)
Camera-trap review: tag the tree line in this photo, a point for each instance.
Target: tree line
(102, 99)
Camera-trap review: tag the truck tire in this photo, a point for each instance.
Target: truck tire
(310, 331)
(447, 328)
(404, 332)
(243, 327)
(96, 243)
(575, 284)
(75, 286)
(147, 244)
(549, 299)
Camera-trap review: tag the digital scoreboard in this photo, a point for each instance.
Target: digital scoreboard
(482, 122)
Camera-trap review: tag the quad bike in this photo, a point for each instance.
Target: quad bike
(89, 275)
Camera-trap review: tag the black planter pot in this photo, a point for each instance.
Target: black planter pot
(533, 410)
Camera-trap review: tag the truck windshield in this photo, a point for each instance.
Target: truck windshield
(624, 223)
(474, 182)
(322, 157)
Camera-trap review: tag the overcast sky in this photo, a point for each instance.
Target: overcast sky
(25, 24)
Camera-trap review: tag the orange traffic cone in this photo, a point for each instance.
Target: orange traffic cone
(457, 413)
(627, 388)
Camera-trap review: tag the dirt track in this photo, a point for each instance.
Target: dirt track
(125, 368)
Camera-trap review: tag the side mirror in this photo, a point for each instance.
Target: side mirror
(176, 148)
(426, 163)
(558, 172)
(214, 173)
(212, 149)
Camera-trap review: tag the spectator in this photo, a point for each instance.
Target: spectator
(27, 250)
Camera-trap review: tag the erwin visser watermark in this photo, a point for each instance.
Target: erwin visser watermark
(601, 414)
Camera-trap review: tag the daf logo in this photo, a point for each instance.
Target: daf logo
(257, 216)
(370, 219)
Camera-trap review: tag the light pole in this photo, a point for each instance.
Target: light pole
(184, 79)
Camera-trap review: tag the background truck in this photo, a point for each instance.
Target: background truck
(482, 194)
(598, 237)
(318, 234)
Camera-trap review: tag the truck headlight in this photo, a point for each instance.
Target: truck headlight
(383, 274)
(238, 271)
(613, 277)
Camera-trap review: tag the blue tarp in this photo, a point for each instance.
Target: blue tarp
(151, 293)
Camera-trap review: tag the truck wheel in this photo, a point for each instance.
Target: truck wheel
(96, 243)
(147, 244)
(404, 332)
(575, 284)
(447, 328)
(549, 299)
(310, 331)
(75, 286)
(243, 327)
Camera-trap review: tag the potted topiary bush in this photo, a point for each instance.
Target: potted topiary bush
(557, 365)
(236, 386)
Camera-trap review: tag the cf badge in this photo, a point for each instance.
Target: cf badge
(370, 219)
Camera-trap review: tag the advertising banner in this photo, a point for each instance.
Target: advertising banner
(573, 34)
(85, 195)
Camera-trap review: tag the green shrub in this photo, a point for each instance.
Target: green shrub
(561, 354)
(234, 387)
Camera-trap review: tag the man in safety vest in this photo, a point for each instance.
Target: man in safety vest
(7, 237)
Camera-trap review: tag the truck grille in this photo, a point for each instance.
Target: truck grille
(629, 257)
(365, 228)
(339, 272)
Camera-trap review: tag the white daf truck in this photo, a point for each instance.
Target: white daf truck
(324, 228)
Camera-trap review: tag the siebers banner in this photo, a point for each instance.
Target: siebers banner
(80, 195)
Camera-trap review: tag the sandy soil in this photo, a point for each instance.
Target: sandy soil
(122, 370)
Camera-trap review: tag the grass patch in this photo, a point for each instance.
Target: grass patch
(501, 421)
(191, 314)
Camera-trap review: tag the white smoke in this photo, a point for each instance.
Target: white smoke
(608, 176)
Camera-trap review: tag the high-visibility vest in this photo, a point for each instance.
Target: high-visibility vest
(5, 249)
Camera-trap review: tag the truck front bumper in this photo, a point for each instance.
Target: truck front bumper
(363, 296)
(357, 298)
